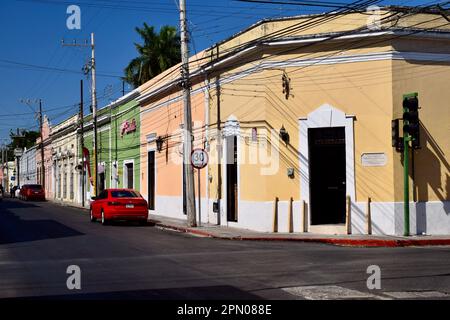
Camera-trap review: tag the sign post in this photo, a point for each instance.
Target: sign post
(199, 160)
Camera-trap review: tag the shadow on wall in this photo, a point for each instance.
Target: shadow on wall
(430, 165)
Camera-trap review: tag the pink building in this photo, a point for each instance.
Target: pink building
(48, 174)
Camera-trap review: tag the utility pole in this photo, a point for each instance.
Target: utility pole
(86, 69)
(187, 130)
(41, 125)
(82, 141)
(7, 170)
(28, 102)
(18, 154)
(219, 150)
(94, 112)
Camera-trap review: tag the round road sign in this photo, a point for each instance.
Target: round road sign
(199, 158)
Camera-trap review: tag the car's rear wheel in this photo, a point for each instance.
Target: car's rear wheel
(143, 222)
(93, 219)
(104, 221)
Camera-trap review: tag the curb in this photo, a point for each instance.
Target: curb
(332, 241)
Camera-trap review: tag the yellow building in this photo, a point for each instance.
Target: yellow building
(305, 106)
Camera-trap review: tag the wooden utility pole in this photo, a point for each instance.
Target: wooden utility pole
(94, 112)
(41, 126)
(82, 142)
(187, 130)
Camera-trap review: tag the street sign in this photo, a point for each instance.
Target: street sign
(199, 158)
(18, 152)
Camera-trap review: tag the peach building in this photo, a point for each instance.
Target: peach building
(305, 113)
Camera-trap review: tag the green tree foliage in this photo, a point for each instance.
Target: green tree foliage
(25, 139)
(159, 52)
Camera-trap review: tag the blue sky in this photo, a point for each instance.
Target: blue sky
(31, 32)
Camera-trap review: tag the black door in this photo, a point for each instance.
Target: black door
(232, 179)
(130, 175)
(327, 175)
(151, 180)
(101, 185)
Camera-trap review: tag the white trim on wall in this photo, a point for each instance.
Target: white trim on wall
(231, 128)
(125, 173)
(325, 60)
(326, 116)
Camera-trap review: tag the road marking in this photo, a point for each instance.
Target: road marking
(417, 294)
(329, 293)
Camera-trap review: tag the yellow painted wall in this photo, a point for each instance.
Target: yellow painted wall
(163, 121)
(432, 168)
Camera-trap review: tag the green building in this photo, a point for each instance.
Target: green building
(118, 145)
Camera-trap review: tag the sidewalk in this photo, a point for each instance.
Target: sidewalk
(227, 233)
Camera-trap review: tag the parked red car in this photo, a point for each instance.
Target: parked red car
(119, 204)
(32, 192)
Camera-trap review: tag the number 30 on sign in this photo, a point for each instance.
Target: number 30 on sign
(199, 158)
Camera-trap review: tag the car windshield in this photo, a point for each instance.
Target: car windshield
(124, 194)
(34, 186)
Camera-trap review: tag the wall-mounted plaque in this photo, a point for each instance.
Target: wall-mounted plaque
(374, 159)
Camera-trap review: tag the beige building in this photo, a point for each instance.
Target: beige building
(65, 158)
(305, 106)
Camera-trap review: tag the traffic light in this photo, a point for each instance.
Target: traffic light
(411, 124)
(397, 141)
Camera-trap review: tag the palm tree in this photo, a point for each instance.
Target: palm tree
(159, 52)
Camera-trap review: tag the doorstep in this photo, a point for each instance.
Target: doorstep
(230, 233)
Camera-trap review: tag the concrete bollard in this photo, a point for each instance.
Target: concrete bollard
(290, 216)
(348, 219)
(305, 216)
(369, 217)
(275, 215)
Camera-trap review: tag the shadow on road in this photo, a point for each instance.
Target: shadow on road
(130, 224)
(15, 204)
(13, 229)
(190, 293)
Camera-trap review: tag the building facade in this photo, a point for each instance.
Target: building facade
(104, 145)
(118, 140)
(125, 136)
(28, 173)
(65, 161)
(161, 143)
(297, 123)
(47, 159)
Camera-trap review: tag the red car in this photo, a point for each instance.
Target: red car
(119, 204)
(32, 192)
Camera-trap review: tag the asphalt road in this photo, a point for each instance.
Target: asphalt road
(38, 241)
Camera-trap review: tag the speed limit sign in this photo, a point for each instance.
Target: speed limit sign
(199, 158)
